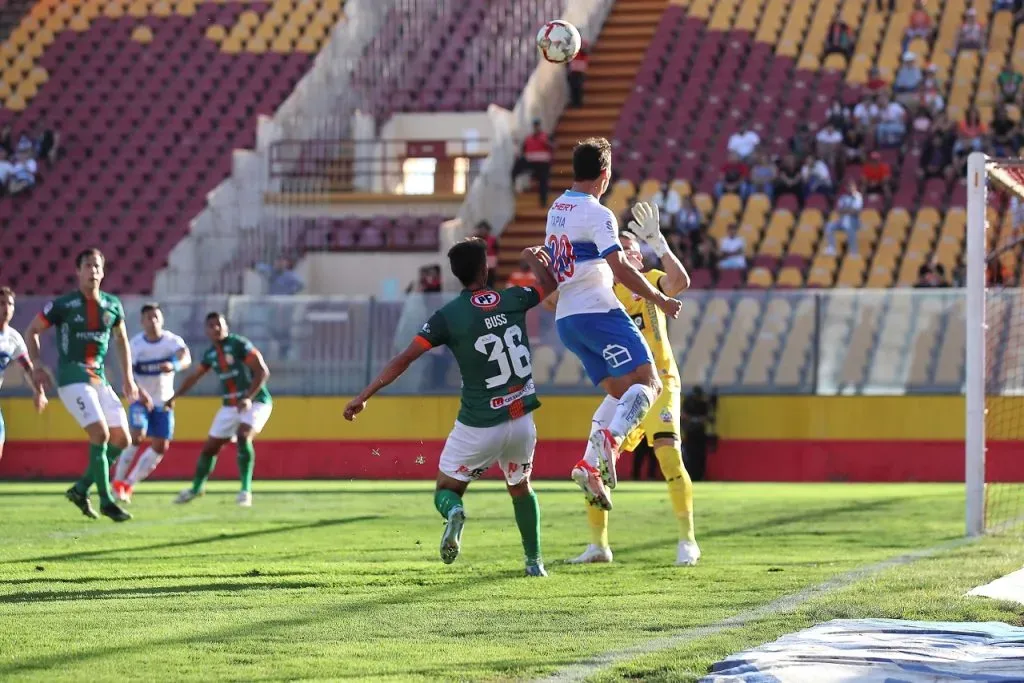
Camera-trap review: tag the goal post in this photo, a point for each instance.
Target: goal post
(994, 344)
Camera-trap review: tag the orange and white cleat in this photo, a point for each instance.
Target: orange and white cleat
(122, 492)
(589, 478)
(607, 448)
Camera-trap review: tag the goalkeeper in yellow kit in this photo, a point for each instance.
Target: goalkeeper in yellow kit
(661, 425)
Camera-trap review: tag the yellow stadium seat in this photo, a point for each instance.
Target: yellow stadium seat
(34, 50)
(648, 188)
(266, 32)
(142, 34)
(851, 273)
(216, 33)
(256, 45)
(682, 187)
(249, 19)
(138, 9)
(15, 102)
(5, 90)
(819, 277)
(759, 277)
(834, 62)
(231, 45)
(38, 75)
(790, 277)
(79, 24)
(334, 6)
(284, 45)
(307, 45)
(625, 186)
(316, 30)
(185, 8)
(27, 90)
(114, 10)
(704, 202)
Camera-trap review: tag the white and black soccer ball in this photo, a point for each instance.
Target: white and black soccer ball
(559, 42)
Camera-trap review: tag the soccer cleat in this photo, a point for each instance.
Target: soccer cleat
(244, 499)
(451, 539)
(186, 495)
(688, 554)
(115, 512)
(82, 502)
(608, 449)
(594, 554)
(535, 569)
(122, 492)
(590, 480)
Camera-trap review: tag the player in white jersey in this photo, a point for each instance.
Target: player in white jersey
(583, 240)
(12, 347)
(156, 354)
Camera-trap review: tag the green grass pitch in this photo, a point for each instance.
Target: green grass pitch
(341, 580)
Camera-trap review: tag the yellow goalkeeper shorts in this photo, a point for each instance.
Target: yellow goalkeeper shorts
(661, 422)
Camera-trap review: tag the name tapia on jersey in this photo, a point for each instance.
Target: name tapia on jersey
(580, 234)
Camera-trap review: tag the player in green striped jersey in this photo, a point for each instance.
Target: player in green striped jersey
(486, 332)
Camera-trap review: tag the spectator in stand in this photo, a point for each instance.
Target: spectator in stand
(867, 114)
(7, 139)
(908, 81)
(1007, 5)
(537, 153)
(853, 146)
(881, 5)
(892, 123)
(839, 115)
(25, 169)
(428, 282)
(669, 202)
(876, 85)
(578, 75)
(849, 207)
(877, 176)
(840, 39)
(763, 175)
(932, 102)
(1008, 84)
(523, 277)
(971, 35)
(689, 223)
(802, 143)
(920, 24)
(1005, 134)
(971, 137)
(937, 153)
(817, 177)
(6, 171)
(483, 231)
(47, 144)
(732, 250)
(744, 143)
(734, 178)
(924, 277)
(829, 142)
(705, 253)
(281, 279)
(790, 179)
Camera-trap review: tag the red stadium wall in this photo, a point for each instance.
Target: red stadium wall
(762, 438)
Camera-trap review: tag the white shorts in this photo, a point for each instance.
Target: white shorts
(89, 403)
(470, 451)
(228, 419)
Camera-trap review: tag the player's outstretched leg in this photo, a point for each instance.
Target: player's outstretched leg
(122, 467)
(448, 501)
(680, 492)
(144, 465)
(527, 510)
(246, 464)
(593, 473)
(598, 551)
(204, 467)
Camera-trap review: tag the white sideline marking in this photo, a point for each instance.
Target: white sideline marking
(589, 667)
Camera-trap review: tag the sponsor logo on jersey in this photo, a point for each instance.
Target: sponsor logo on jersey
(229, 359)
(666, 415)
(79, 319)
(425, 329)
(638, 320)
(5, 359)
(472, 474)
(108, 319)
(47, 308)
(485, 300)
(74, 303)
(500, 402)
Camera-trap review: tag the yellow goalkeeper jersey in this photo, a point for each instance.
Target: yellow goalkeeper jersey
(652, 324)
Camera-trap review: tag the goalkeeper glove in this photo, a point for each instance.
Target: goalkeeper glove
(646, 224)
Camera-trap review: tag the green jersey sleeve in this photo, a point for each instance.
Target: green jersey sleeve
(117, 308)
(51, 313)
(523, 298)
(434, 332)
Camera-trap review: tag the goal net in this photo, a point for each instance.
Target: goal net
(994, 344)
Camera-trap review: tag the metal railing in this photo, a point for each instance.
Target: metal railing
(832, 342)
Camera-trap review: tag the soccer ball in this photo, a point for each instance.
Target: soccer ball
(559, 41)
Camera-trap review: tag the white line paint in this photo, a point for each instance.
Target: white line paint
(787, 603)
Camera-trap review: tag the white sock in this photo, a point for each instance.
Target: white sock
(602, 417)
(632, 409)
(147, 463)
(124, 462)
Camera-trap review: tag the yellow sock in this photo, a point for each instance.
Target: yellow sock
(598, 521)
(680, 488)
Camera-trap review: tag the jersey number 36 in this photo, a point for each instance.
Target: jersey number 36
(563, 258)
(510, 355)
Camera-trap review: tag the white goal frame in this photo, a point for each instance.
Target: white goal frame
(980, 170)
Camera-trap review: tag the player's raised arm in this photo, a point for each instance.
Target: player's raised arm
(124, 355)
(38, 325)
(551, 302)
(646, 225)
(189, 382)
(539, 261)
(260, 374)
(395, 368)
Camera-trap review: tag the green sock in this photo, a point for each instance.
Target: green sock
(445, 500)
(99, 470)
(246, 463)
(85, 483)
(203, 468)
(113, 453)
(528, 520)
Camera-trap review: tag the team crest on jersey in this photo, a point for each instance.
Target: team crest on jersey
(108, 319)
(229, 359)
(485, 300)
(666, 416)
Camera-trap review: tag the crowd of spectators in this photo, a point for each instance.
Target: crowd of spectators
(20, 157)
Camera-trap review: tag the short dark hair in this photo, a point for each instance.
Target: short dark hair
(590, 157)
(468, 260)
(214, 314)
(6, 292)
(86, 253)
(150, 306)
